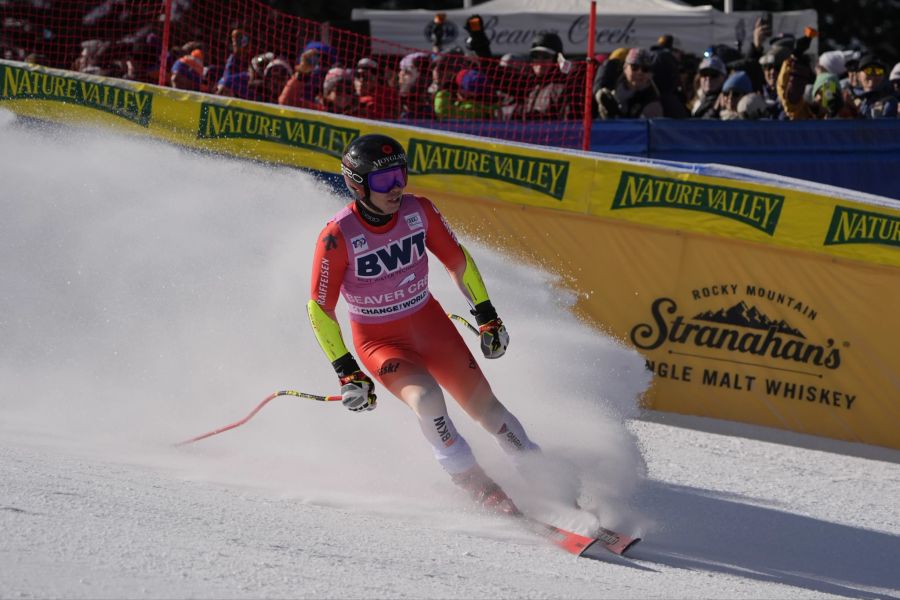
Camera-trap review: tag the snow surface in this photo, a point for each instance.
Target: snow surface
(150, 294)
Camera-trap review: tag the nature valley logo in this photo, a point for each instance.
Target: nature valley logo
(544, 175)
(759, 210)
(239, 123)
(853, 226)
(25, 84)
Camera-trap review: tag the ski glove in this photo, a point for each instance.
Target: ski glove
(358, 392)
(494, 338)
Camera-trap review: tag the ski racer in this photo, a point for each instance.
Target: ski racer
(373, 252)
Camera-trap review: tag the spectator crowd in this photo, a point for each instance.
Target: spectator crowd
(775, 78)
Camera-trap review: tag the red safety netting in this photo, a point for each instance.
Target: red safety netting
(246, 49)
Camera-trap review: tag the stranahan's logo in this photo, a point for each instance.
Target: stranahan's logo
(853, 226)
(26, 84)
(544, 175)
(752, 340)
(239, 123)
(740, 328)
(759, 210)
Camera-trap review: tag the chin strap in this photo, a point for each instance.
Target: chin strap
(371, 213)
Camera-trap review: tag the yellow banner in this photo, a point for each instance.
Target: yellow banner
(750, 302)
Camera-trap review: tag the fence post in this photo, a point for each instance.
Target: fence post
(164, 52)
(589, 78)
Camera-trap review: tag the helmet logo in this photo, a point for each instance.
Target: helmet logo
(387, 148)
(351, 174)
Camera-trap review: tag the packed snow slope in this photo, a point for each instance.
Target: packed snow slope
(150, 294)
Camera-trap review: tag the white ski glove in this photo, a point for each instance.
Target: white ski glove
(494, 338)
(358, 392)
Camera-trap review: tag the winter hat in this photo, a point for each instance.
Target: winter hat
(752, 107)
(870, 60)
(833, 62)
(895, 73)
(335, 76)
(739, 82)
(278, 63)
(618, 54)
(546, 43)
(320, 47)
(775, 56)
(713, 63)
(668, 41)
(414, 62)
(367, 64)
(639, 57)
(190, 65)
(822, 79)
(472, 82)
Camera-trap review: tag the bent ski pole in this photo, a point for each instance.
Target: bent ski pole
(462, 320)
(256, 410)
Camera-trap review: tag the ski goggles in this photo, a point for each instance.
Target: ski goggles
(874, 71)
(387, 179)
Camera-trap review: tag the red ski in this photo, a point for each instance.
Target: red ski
(577, 544)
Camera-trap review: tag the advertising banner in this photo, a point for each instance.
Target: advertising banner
(750, 301)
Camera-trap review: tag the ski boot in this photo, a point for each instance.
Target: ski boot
(485, 492)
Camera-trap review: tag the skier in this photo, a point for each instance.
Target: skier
(373, 252)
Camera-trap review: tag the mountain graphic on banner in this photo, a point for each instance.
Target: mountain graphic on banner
(743, 315)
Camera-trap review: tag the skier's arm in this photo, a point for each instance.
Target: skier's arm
(442, 242)
(329, 266)
(464, 272)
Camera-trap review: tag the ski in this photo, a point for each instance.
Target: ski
(578, 544)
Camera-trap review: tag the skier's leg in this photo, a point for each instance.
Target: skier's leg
(418, 390)
(455, 369)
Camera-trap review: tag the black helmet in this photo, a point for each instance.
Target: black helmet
(366, 154)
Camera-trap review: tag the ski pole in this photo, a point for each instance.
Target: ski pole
(259, 406)
(462, 320)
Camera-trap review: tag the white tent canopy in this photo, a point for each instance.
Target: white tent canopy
(511, 24)
(662, 7)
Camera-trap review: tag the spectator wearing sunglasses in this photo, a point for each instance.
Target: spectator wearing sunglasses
(711, 75)
(546, 86)
(376, 100)
(337, 93)
(877, 100)
(771, 62)
(735, 87)
(374, 253)
(635, 96)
